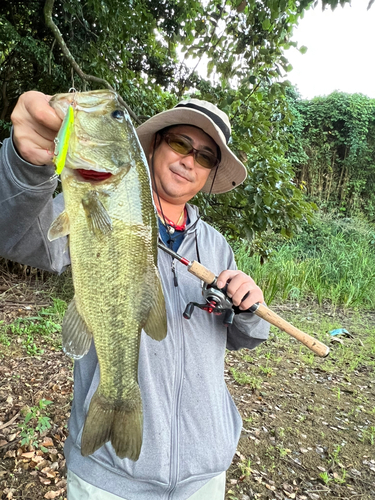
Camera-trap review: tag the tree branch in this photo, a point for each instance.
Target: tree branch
(48, 6)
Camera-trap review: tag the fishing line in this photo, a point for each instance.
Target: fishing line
(51, 179)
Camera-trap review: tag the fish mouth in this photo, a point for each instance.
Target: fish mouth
(93, 175)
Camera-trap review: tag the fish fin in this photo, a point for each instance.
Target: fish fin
(59, 227)
(156, 324)
(97, 217)
(75, 333)
(122, 426)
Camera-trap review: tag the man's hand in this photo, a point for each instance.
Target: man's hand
(241, 289)
(35, 125)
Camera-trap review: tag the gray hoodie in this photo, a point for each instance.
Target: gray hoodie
(191, 425)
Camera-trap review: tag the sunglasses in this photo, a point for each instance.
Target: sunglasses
(181, 145)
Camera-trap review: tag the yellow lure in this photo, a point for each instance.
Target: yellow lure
(62, 140)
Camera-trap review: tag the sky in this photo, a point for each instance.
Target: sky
(341, 50)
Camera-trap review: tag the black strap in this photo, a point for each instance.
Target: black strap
(216, 119)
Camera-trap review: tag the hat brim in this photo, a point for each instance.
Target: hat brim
(230, 173)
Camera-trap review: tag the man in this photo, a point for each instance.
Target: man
(191, 425)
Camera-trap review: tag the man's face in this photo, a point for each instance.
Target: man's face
(178, 178)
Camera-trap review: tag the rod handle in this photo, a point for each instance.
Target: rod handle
(201, 272)
(273, 318)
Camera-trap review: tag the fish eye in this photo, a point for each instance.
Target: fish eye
(118, 114)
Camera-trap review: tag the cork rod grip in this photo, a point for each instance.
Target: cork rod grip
(273, 318)
(201, 272)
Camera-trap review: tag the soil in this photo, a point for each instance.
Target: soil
(309, 423)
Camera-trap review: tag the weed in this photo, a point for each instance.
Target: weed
(369, 435)
(334, 457)
(283, 451)
(36, 421)
(248, 358)
(243, 378)
(324, 476)
(245, 468)
(231, 495)
(328, 260)
(266, 370)
(281, 432)
(46, 323)
(342, 479)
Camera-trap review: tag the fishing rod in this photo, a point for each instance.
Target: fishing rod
(219, 303)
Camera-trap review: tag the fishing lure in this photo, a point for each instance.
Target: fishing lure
(62, 140)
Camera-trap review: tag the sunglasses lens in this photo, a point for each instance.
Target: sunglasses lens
(179, 144)
(184, 147)
(206, 160)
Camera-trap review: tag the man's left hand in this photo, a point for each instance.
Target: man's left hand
(241, 289)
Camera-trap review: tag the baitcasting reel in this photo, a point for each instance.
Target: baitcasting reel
(217, 302)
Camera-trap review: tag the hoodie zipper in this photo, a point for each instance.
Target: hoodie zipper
(174, 457)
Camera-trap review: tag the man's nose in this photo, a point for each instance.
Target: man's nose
(188, 160)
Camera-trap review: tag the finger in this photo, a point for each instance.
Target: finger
(255, 296)
(33, 107)
(225, 276)
(241, 292)
(245, 297)
(237, 281)
(37, 155)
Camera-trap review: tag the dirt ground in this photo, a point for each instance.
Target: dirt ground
(309, 423)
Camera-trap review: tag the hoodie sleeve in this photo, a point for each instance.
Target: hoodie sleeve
(27, 209)
(247, 330)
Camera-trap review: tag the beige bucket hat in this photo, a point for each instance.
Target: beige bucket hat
(208, 117)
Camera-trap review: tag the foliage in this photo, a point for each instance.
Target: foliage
(36, 422)
(268, 198)
(135, 45)
(328, 261)
(46, 324)
(334, 151)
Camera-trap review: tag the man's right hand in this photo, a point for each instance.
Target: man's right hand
(35, 125)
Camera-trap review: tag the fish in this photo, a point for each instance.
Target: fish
(112, 230)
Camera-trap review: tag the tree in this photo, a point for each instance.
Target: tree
(133, 46)
(335, 141)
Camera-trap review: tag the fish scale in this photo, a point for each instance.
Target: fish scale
(112, 227)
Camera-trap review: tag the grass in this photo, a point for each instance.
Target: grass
(331, 260)
(30, 329)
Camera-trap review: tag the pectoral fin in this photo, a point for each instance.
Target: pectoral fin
(97, 217)
(59, 227)
(156, 324)
(75, 333)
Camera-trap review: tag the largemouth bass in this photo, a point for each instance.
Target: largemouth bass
(112, 226)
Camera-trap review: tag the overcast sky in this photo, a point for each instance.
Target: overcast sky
(341, 50)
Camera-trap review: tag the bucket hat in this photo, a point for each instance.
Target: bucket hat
(215, 123)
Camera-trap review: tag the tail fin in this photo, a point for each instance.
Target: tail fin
(121, 425)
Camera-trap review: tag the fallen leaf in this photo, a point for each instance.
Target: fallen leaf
(52, 494)
(47, 442)
(288, 487)
(44, 481)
